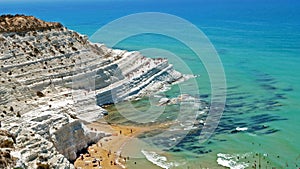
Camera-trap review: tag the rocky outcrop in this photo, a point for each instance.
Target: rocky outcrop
(49, 133)
(22, 23)
(6, 146)
(73, 137)
(52, 79)
(6, 160)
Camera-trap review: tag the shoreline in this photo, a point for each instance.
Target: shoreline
(49, 82)
(107, 152)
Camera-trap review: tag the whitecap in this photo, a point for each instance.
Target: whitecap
(158, 160)
(241, 129)
(231, 161)
(173, 139)
(189, 128)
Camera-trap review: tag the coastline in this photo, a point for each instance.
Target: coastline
(115, 151)
(108, 150)
(60, 81)
(260, 80)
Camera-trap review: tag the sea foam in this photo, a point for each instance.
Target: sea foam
(158, 160)
(241, 129)
(230, 161)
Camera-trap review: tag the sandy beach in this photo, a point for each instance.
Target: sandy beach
(107, 152)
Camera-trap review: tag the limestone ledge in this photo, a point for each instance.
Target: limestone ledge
(49, 135)
(53, 80)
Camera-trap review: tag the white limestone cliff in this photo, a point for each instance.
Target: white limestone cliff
(53, 79)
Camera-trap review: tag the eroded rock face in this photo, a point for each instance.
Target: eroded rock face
(6, 160)
(53, 78)
(6, 139)
(6, 146)
(73, 137)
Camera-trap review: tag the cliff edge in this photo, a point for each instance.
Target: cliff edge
(53, 79)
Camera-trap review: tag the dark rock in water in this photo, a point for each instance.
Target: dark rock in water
(258, 128)
(265, 126)
(237, 98)
(271, 131)
(235, 105)
(235, 95)
(204, 95)
(272, 102)
(263, 118)
(197, 147)
(280, 96)
(234, 131)
(288, 89)
(268, 87)
(221, 130)
(267, 79)
(175, 150)
(232, 87)
(200, 152)
(262, 75)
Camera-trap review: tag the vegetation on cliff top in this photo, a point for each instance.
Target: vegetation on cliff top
(22, 23)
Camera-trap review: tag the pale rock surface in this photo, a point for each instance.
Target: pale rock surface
(53, 80)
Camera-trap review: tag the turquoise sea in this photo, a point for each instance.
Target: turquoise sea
(258, 42)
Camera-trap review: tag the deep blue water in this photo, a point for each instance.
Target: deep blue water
(259, 45)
